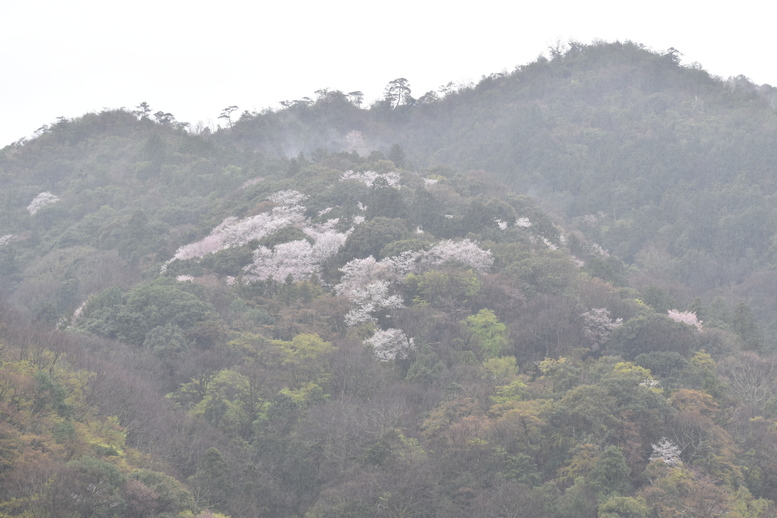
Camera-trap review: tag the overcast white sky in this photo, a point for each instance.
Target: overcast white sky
(194, 58)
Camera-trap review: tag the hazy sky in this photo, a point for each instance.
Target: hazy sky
(194, 58)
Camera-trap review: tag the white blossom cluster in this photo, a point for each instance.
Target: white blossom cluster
(369, 300)
(184, 278)
(549, 244)
(430, 181)
(599, 326)
(367, 283)
(355, 140)
(368, 177)
(252, 181)
(685, 317)
(465, 252)
(299, 258)
(359, 273)
(236, 232)
(391, 344)
(327, 241)
(599, 251)
(294, 258)
(40, 201)
(288, 198)
(523, 222)
(590, 219)
(78, 312)
(4, 240)
(667, 451)
(500, 223)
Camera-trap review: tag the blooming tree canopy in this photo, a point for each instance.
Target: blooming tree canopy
(368, 178)
(667, 451)
(369, 300)
(598, 326)
(236, 232)
(41, 200)
(685, 317)
(294, 258)
(391, 344)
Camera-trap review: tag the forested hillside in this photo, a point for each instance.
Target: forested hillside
(548, 294)
(665, 166)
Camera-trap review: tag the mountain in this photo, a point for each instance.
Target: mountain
(547, 294)
(670, 169)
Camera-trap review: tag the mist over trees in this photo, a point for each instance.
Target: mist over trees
(550, 294)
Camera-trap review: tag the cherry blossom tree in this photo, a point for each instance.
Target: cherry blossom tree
(685, 317)
(236, 232)
(289, 198)
(41, 200)
(391, 344)
(465, 252)
(667, 451)
(366, 282)
(359, 273)
(294, 258)
(327, 241)
(369, 300)
(368, 178)
(598, 326)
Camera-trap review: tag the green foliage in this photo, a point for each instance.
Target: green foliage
(427, 367)
(50, 395)
(163, 302)
(658, 299)
(669, 366)
(369, 238)
(546, 272)
(610, 474)
(230, 261)
(385, 202)
(745, 326)
(610, 269)
(167, 341)
(500, 370)
(169, 495)
(93, 487)
(284, 235)
(10, 447)
(445, 288)
(489, 333)
(652, 332)
(624, 507)
(396, 248)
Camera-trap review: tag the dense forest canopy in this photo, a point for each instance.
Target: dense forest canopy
(547, 294)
